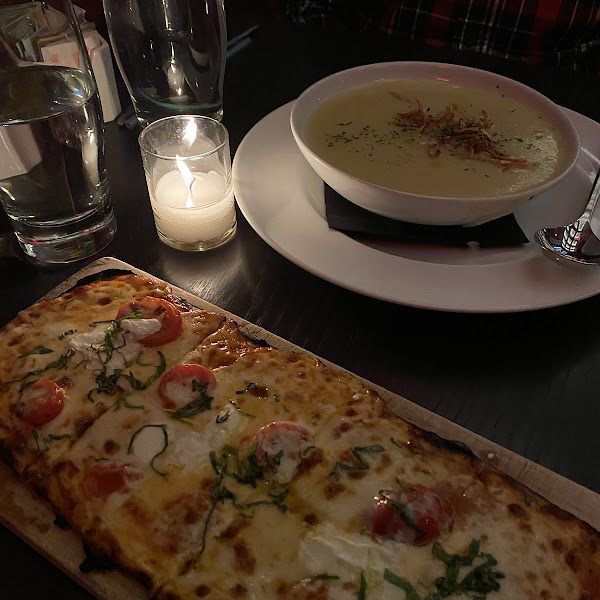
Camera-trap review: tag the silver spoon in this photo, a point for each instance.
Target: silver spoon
(575, 242)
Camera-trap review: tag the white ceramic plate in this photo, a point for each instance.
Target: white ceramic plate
(281, 196)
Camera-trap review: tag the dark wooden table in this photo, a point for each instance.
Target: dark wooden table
(528, 381)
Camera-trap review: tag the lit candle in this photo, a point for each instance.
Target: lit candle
(191, 206)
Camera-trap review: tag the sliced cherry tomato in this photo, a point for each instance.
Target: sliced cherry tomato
(171, 323)
(413, 514)
(104, 479)
(40, 402)
(279, 446)
(180, 385)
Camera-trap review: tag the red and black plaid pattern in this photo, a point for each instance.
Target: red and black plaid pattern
(559, 32)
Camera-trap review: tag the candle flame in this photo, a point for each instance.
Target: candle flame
(188, 179)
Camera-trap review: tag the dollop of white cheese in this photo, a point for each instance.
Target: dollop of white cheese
(347, 555)
(92, 348)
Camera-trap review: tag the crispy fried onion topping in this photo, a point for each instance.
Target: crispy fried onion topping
(465, 137)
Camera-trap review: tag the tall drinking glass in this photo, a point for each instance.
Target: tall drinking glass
(171, 54)
(53, 182)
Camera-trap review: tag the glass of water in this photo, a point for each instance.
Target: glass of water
(171, 54)
(53, 182)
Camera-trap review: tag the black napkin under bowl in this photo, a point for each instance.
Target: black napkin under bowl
(349, 218)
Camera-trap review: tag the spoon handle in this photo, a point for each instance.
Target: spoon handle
(591, 205)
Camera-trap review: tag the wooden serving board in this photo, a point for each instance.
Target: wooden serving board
(32, 519)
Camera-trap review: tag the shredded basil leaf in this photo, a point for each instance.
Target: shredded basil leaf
(249, 387)
(64, 334)
(244, 470)
(122, 401)
(403, 584)
(137, 384)
(242, 412)
(60, 363)
(198, 405)
(359, 464)
(222, 418)
(38, 350)
(166, 443)
(476, 583)
(321, 577)
(400, 508)
(47, 440)
(362, 591)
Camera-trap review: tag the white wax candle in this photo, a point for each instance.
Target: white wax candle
(197, 211)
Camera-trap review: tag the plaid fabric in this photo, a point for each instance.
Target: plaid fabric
(559, 32)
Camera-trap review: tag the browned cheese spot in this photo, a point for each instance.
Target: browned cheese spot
(518, 511)
(571, 560)
(384, 461)
(238, 591)
(231, 531)
(15, 340)
(137, 510)
(283, 588)
(558, 545)
(81, 425)
(104, 300)
(64, 382)
(202, 591)
(333, 489)
(259, 391)
(526, 527)
(307, 463)
(311, 519)
(110, 447)
(244, 559)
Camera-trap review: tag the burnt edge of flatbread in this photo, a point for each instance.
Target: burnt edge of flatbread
(261, 343)
(444, 444)
(95, 560)
(106, 274)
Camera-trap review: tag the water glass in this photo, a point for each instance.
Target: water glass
(171, 54)
(53, 182)
(188, 169)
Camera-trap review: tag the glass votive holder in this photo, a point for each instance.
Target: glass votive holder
(188, 169)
